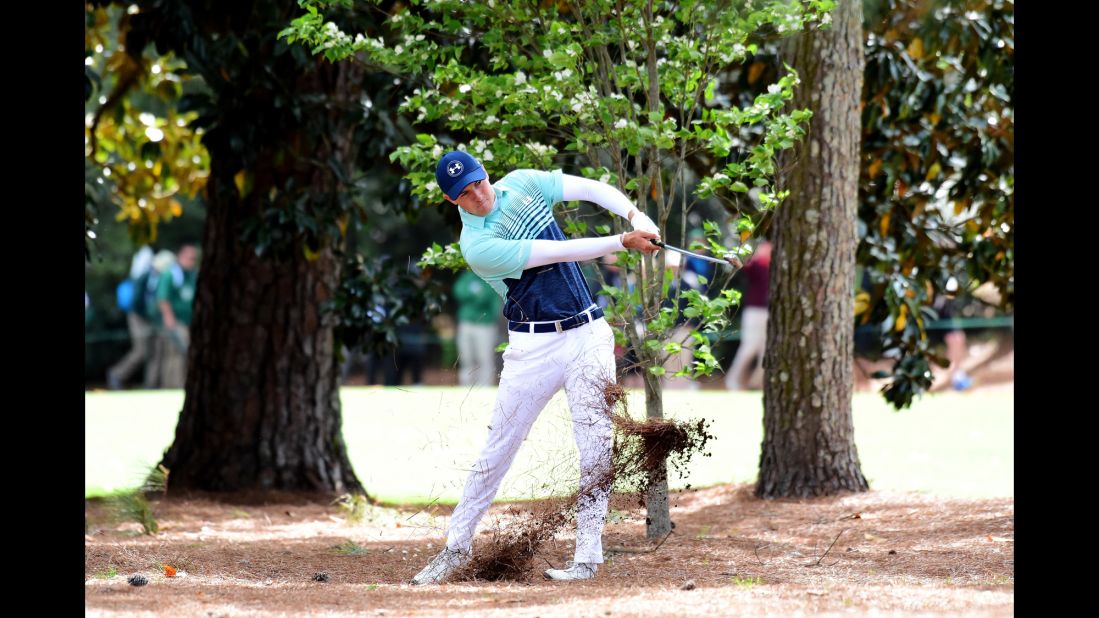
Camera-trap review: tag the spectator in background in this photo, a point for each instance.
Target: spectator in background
(753, 318)
(957, 347)
(175, 295)
(478, 310)
(162, 262)
(132, 299)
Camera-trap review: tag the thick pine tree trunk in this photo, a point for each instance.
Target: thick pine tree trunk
(809, 441)
(262, 407)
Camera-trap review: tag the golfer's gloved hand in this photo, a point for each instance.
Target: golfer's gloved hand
(641, 221)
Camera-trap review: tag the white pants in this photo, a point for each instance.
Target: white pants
(476, 354)
(753, 340)
(536, 366)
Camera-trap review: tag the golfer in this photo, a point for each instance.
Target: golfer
(557, 337)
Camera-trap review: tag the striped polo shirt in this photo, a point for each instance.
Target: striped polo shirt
(497, 246)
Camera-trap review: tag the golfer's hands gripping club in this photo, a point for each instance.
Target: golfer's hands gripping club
(640, 240)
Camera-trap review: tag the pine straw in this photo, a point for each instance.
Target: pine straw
(952, 557)
(641, 452)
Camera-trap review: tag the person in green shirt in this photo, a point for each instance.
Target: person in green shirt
(175, 293)
(478, 309)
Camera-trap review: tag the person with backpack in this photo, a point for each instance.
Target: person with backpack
(132, 296)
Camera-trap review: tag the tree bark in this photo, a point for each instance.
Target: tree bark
(809, 441)
(262, 407)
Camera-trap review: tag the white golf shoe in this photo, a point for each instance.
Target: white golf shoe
(581, 570)
(442, 566)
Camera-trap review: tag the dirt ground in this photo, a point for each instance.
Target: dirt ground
(730, 554)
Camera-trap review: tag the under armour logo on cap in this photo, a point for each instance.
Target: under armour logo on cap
(455, 170)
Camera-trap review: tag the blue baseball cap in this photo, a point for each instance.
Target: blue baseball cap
(456, 170)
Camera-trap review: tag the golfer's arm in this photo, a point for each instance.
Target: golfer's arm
(544, 252)
(606, 196)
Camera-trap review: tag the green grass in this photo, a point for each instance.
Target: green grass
(746, 582)
(415, 444)
(351, 548)
(109, 573)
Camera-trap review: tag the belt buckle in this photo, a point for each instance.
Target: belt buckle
(557, 325)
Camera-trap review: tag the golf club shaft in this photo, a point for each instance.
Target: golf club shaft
(685, 252)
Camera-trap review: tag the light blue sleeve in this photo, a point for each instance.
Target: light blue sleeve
(496, 259)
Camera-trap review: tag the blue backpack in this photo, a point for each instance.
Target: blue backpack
(124, 295)
(131, 294)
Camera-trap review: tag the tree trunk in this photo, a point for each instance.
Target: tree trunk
(808, 442)
(262, 407)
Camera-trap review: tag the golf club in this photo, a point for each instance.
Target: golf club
(732, 261)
